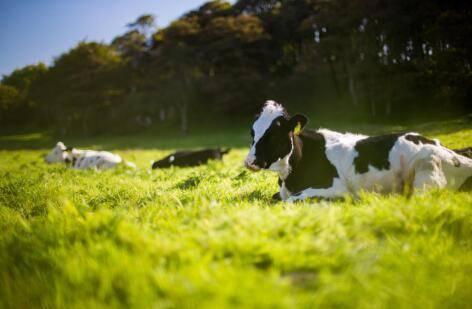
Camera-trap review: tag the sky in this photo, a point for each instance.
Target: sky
(40, 30)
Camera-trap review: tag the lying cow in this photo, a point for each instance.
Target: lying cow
(190, 158)
(85, 159)
(329, 165)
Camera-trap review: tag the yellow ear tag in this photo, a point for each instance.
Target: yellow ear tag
(297, 129)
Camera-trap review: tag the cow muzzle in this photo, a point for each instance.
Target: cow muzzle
(250, 163)
(252, 167)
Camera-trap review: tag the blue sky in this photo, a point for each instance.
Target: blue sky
(39, 30)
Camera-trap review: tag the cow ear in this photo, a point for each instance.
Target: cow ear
(297, 123)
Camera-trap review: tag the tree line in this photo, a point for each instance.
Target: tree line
(375, 60)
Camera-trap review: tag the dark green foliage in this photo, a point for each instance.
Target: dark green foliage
(80, 89)
(17, 98)
(356, 59)
(8, 98)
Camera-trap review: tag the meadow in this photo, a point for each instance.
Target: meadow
(211, 236)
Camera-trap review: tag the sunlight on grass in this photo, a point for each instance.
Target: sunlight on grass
(23, 137)
(210, 236)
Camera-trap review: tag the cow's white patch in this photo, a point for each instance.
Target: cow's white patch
(58, 154)
(171, 159)
(99, 160)
(284, 192)
(340, 151)
(433, 166)
(270, 111)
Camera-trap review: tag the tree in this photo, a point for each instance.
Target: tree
(81, 85)
(130, 45)
(25, 105)
(360, 58)
(143, 24)
(9, 98)
(178, 64)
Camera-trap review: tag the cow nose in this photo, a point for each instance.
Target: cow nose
(250, 165)
(253, 167)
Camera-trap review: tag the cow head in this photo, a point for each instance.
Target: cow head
(272, 136)
(58, 154)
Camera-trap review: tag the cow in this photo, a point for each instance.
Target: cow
(190, 158)
(325, 164)
(85, 159)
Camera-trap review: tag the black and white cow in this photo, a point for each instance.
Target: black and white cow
(85, 159)
(327, 164)
(189, 158)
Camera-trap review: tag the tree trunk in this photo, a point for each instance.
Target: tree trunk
(388, 107)
(184, 117)
(162, 114)
(350, 81)
(373, 110)
(85, 126)
(352, 89)
(334, 77)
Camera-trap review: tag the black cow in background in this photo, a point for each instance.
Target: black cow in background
(190, 158)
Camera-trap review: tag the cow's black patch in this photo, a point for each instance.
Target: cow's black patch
(374, 151)
(466, 152)
(276, 197)
(467, 185)
(190, 158)
(417, 139)
(310, 166)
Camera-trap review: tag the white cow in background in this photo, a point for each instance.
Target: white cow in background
(85, 159)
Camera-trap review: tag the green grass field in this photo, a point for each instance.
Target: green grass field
(211, 236)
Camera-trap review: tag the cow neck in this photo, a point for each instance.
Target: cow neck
(295, 155)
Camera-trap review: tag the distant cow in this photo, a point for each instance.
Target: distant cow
(85, 159)
(327, 164)
(190, 158)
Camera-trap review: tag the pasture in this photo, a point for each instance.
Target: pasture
(210, 236)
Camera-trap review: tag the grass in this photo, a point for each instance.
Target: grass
(210, 236)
